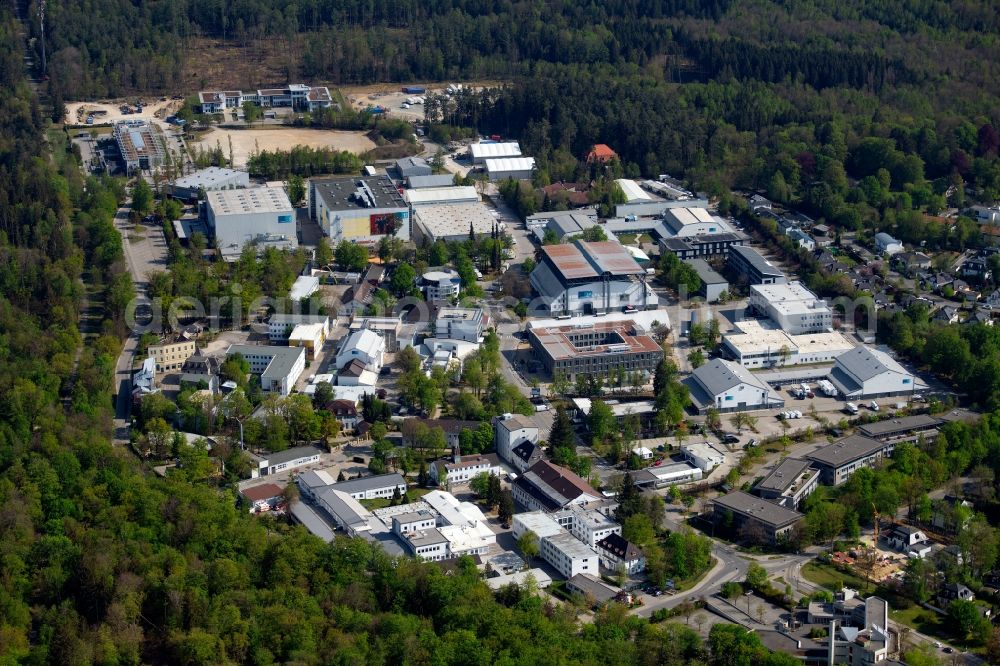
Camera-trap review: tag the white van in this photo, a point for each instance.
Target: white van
(873, 406)
(851, 408)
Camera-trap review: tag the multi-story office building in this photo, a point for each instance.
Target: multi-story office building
(595, 348)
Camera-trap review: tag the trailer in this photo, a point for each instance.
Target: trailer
(826, 388)
(414, 90)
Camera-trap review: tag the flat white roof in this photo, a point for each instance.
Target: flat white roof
(541, 578)
(503, 164)
(303, 287)
(441, 194)
(306, 332)
(448, 220)
(702, 450)
(485, 150)
(253, 200)
(791, 298)
(540, 523)
(208, 177)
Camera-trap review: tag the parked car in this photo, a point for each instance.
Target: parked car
(749, 445)
(873, 406)
(730, 438)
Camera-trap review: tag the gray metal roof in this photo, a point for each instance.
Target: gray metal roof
(291, 454)
(439, 180)
(705, 272)
(718, 376)
(846, 450)
(784, 475)
(367, 483)
(899, 425)
(761, 510)
(755, 259)
(863, 363)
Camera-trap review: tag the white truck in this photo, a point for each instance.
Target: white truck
(851, 408)
(826, 388)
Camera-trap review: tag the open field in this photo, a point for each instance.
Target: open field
(282, 138)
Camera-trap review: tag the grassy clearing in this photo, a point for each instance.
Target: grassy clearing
(828, 576)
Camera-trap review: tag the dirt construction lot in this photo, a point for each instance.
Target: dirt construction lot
(282, 138)
(154, 111)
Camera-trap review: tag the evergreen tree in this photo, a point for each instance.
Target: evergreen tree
(562, 435)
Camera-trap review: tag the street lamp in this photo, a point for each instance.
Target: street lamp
(748, 595)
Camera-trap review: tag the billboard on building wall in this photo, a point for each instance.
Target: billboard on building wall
(386, 223)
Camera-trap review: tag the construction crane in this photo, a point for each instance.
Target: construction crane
(875, 516)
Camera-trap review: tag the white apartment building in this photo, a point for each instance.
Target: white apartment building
(587, 525)
(792, 307)
(511, 430)
(442, 285)
(569, 556)
(279, 367)
(460, 324)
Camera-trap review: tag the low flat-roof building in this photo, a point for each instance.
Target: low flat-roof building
(903, 429)
(790, 482)
(380, 486)
(755, 519)
(309, 336)
(702, 455)
(713, 285)
(452, 222)
(262, 215)
(595, 349)
(591, 588)
(591, 277)
(751, 268)
(287, 460)
(838, 461)
(420, 182)
(413, 166)
(303, 287)
(761, 344)
(280, 326)
(279, 367)
(729, 387)
(864, 372)
(792, 307)
(441, 196)
(666, 475)
(208, 179)
(360, 209)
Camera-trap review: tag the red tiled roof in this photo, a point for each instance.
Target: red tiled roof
(601, 153)
(262, 492)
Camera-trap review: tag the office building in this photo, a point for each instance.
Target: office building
(298, 96)
(755, 519)
(709, 245)
(761, 344)
(260, 215)
(713, 285)
(308, 336)
(208, 179)
(666, 475)
(510, 431)
(278, 367)
(170, 356)
(548, 487)
(751, 268)
(790, 482)
(462, 469)
(587, 525)
(908, 429)
(460, 324)
(595, 349)
(287, 460)
(140, 144)
(792, 307)
(359, 209)
(702, 455)
(838, 461)
(591, 277)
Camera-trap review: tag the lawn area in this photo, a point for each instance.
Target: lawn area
(828, 576)
(688, 583)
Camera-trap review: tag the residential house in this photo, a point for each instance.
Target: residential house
(618, 553)
(909, 540)
(170, 356)
(548, 487)
(976, 267)
(801, 238)
(346, 412)
(462, 469)
(510, 431)
(910, 262)
(262, 498)
(947, 314)
(952, 592)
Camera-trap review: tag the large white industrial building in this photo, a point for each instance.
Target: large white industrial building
(481, 152)
(359, 209)
(452, 222)
(208, 179)
(864, 372)
(591, 277)
(518, 168)
(729, 387)
(449, 194)
(792, 307)
(760, 344)
(261, 215)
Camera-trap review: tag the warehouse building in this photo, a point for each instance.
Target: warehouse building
(359, 209)
(448, 194)
(480, 152)
(792, 307)
(752, 268)
(684, 222)
(421, 182)
(864, 372)
(729, 387)
(212, 178)
(713, 285)
(140, 144)
(595, 349)
(518, 168)
(452, 222)
(262, 216)
(413, 166)
(591, 277)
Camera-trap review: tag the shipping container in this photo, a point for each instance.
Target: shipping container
(414, 90)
